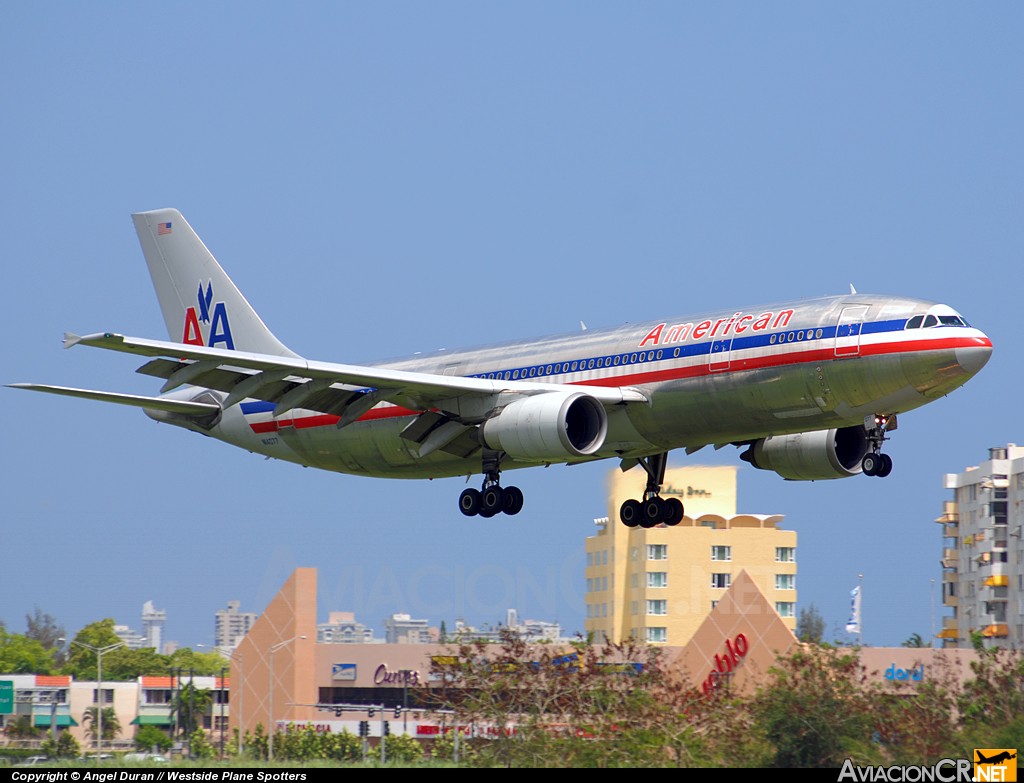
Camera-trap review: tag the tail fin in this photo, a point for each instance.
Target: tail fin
(201, 305)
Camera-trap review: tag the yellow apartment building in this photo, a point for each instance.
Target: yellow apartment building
(659, 584)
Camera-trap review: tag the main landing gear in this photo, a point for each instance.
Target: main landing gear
(875, 463)
(491, 498)
(653, 509)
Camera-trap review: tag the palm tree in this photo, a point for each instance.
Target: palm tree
(190, 704)
(111, 723)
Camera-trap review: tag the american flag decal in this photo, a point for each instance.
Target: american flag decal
(163, 228)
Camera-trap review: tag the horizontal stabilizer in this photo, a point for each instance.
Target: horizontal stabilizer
(151, 403)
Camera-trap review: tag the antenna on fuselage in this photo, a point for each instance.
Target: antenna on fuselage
(852, 289)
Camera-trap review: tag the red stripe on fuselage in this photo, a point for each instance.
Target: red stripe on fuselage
(671, 374)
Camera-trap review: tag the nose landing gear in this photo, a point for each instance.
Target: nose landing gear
(875, 463)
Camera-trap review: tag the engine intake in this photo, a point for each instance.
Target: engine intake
(810, 456)
(549, 426)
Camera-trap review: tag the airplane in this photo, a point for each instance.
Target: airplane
(1003, 756)
(810, 389)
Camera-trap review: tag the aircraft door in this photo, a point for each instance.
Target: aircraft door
(720, 355)
(848, 330)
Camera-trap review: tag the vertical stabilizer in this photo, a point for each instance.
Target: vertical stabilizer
(201, 305)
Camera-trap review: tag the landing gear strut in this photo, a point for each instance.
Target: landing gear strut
(491, 498)
(653, 509)
(875, 463)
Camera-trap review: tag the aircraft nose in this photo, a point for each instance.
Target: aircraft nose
(973, 357)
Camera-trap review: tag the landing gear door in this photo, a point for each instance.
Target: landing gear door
(848, 330)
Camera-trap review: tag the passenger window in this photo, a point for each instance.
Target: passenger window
(675, 354)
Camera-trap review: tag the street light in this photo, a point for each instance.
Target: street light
(270, 699)
(231, 656)
(99, 652)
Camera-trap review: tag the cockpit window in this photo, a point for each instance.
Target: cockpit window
(928, 321)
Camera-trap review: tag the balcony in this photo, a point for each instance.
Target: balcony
(950, 514)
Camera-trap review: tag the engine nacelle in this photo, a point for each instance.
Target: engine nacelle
(809, 456)
(549, 426)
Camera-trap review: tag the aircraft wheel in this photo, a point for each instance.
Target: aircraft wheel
(673, 511)
(871, 464)
(492, 500)
(886, 467)
(653, 512)
(513, 500)
(469, 502)
(629, 513)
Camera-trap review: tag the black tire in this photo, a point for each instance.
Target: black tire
(492, 500)
(886, 467)
(673, 511)
(513, 501)
(871, 464)
(629, 513)
(653, 512)
(469, 502)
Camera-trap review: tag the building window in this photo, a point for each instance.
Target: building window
(785, 581)
(721, 580)
(155, 696)
(721, 553)
(714, 604)
(657, 551)
(657, 635)
(590, 559)
(785, 608)
(108, 696)
(657, 607)
(785, 554)
(657, 579)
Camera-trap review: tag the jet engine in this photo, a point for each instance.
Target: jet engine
(809, 456)
(550, 426)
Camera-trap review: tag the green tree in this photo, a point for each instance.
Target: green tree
(199, 663)
(199, 745)
(810, 625)
(815, 709)
(914, 641)
(149, 737)
(190, 704)
(43, 628)
(22, 655)
(65, 747)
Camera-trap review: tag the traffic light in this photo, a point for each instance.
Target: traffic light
(387, 728)
(364, 728)
(398, 712)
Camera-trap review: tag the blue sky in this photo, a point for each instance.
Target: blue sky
(381, 179)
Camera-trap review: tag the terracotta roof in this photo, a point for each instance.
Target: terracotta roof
(157, 682)
(52, 680)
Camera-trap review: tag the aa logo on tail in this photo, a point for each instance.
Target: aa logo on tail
(217, 326)
(995, 764)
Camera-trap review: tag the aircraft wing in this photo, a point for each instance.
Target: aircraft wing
(152, 403)
(342, 389)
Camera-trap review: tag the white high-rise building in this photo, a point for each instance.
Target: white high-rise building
(230, 625)
(983, 556)
(153, 621)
